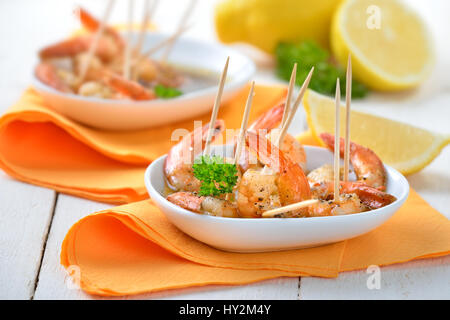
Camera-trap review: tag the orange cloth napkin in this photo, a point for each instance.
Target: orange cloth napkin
(134, 249)
(40, 146)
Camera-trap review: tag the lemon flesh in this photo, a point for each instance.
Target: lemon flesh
(390, 46)
(404, 147)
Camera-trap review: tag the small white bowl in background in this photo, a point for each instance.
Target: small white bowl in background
(274, 234)
(132, 115)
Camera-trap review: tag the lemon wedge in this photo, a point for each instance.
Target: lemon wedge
(404, 147)
(390, 46)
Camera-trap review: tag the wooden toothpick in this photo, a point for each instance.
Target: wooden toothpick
(161, 44)
(290, 207)
(97, 36)
(216, 106)
(148, 14)
(244, 124)
(336, 141)
(294, 108)
(287, 104)
(126, 62)
(182, 23)
(348, 98)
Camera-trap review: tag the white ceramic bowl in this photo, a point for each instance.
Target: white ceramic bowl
(132, 115)
(273, 234)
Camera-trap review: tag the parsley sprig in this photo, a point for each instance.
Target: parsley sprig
(166, 92)
(216, 176)
(308, 54)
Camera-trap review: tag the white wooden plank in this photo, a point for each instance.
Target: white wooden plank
(26, 210)
(433, 183)
(25, 216)
(422, 279)
(274, 289)
(52, 277)
(51, 282)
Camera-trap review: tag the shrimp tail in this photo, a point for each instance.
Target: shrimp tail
(372, 198)
(93, 24)
(269, 119)
(369, 168)
(46, 72)
(71, 47)
(128, 88)
(179, 160)
(187, 201)
(292, 181)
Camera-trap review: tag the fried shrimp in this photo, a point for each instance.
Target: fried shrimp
(178, 164)
(367, 165)
(206, 205)
(280, 183)
(265, 123)
(346, 204)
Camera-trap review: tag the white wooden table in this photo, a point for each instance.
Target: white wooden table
(34, 220)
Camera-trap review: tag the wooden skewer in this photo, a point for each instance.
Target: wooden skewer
(182, 23)
(336, 142)
(161, 45)
(294, 108)
(143, 29)
(244, 123)
(348, 98)
(243, 131)
(153, 8)
(136, 52)
(148, 14)
(289, 94)
(126, 63)
(97, 36)
(216, 106)
(290, 207)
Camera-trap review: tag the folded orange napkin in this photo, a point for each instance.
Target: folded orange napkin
(40, 146)
(134, 249)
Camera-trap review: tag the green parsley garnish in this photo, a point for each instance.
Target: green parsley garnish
(166, 92)
(216, 176)
(308, 54)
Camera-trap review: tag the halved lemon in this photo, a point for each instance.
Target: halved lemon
(402, 146)
(390, 46)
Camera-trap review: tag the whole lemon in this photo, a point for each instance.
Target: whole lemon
(265, 23)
